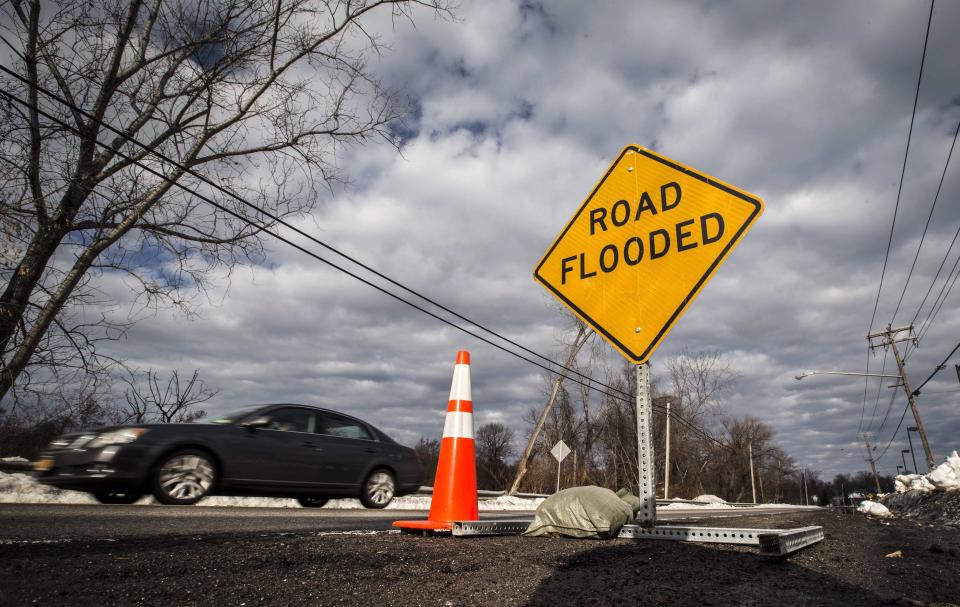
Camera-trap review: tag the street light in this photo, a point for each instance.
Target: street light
(905, 460)
(914, 457)
(809, 373)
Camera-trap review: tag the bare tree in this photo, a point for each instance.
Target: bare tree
(582, 336)
(428, 452)
(26, 427)
(149, 401)
(255, 95)
(495, 448)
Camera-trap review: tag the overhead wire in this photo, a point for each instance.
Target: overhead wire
(278, 219)
(896, 208)
(933, 206)
(903, 170)
(936, 370)
(591, 383)
(876, 404)
(916, 392)
(936, 276)
(938, 303)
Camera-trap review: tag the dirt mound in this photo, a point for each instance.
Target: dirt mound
(941, 508)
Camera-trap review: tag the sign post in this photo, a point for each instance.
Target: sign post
(560, 451)
(648, 477)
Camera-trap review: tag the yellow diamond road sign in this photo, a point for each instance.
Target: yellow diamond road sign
(642, 245)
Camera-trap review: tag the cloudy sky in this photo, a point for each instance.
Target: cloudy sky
(519, 108)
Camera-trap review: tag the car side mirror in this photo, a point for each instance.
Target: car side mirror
(257, 422)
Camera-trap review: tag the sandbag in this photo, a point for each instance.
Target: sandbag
(581, 512)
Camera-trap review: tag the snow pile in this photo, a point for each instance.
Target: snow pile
(512, 502)
(873, 509)
(15, 459)
(945, 477)
(912, 482)
(17, 488)
(710, 499)
(699, 506)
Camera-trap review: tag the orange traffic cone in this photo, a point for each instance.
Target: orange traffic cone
(455, 487)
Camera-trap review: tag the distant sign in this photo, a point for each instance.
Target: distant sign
(560, 451)
(642, 246)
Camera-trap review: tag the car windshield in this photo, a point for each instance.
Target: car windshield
(235, 416)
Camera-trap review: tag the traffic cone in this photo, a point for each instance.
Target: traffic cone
(455, 487)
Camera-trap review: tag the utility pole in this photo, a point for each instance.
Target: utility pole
(763, 499)
(889, 338)
(753, 486)
(806, 494)
(870, 458)
(666, 465)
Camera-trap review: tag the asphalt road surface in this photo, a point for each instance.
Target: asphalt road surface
(63, 522)
(244, 557)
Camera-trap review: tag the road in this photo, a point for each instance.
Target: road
(64, 522)
(242, 556)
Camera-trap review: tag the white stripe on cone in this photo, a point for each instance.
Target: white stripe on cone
(460, 389)
(458, 424)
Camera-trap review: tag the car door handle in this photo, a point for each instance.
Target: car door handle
(372, 450)
(313, 446)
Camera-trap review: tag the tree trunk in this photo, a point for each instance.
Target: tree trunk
(15, 297)
(582, 336)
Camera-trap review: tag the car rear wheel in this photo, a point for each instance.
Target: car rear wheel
(312, 502)
(378, 489)
(116, 497)
(183, 478)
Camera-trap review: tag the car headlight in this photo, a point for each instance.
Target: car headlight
(116, 437)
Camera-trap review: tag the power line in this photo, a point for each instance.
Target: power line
(938, 303)
(936, 370)
(895, 432)
(276, 218)
(903, 170)
(936, 197)
(936, 276)
(883, 368)
(590, 384)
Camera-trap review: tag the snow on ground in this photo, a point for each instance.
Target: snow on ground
(873, 509)
(689, 506)
(945, 477)
(710, 499)
(15, 459)
(17, 488)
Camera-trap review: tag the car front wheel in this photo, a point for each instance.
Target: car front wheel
(116, 497)
(183, 478)
(378, 489)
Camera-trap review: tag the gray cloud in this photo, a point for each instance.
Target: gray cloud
(520, 109)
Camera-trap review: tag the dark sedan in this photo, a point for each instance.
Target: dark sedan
(294, 451)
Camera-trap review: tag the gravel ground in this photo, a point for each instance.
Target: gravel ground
(939, 507)
(849, 567)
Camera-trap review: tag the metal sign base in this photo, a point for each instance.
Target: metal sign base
(770, 542)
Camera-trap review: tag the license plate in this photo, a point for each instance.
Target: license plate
(43, 464)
